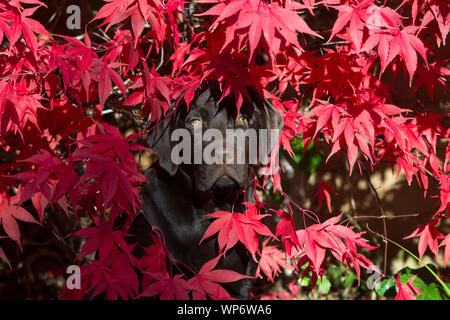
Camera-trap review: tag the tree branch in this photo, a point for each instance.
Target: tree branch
(382, 217)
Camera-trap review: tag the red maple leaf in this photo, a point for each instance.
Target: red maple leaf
(21, 24)
(153, 261)
(47, 181)
(139, 13)
(362, 17)
(153, 91)
(406, 291)
(271, 262)
(436, 11)
(323, 192)
(206, 282)
(253, 21)
(444, 195)
(316, 253)
(428, 237)
(399, 42)
(446, 243)
(18, 108)
(355, 16)
(106, 75)
(234, 227)
(114, 275)
(286, 229)
(432, 76)
(316, 238)
(167, 288)
(230, 69)
(345, 129)
(382, 40)
(9, 213)
(111, 169)
(102, 238)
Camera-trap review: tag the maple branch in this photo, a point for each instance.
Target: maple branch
(413, 162)
(59, 12)
(103, 35)
(425, 170)
(129, 114)
(382, 216)
(161, 62)
(22, 74)
(328, 44)
(386, 217)
(350, 185)
(289, 200)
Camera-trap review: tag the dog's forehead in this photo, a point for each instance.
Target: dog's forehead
(206, 98)
(211, 100)
(208, 101)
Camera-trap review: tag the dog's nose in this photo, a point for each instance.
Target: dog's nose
(226, 188)
(225, 185)
(225, 181)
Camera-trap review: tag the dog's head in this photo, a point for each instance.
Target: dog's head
(207, 137)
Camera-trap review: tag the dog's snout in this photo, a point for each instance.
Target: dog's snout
(225, 182)
(226, 154)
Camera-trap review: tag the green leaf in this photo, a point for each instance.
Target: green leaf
(384, 286)
(349, 279)
(323, 285)
(431, 292)
(304, 282)
(418, 282)
(308, 160)
(297, 158)
(311, 162)
(428, 267)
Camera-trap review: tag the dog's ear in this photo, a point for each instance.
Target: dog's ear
(272, 117)
(268, 116)
(273, 122)
(269, 119)
(159, 141)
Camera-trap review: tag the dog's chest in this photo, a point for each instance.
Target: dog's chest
(169, 207)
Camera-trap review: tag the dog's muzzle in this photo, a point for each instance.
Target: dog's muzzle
(226, 187)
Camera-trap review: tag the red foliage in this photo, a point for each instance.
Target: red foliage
(406, 291)
(234, 226)
(54, 89)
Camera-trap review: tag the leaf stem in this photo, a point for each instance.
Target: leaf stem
(446, 289)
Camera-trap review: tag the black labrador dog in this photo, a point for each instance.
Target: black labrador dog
(177, 196)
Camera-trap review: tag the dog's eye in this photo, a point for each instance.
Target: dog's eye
(195, 123)
(242, 118)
